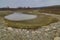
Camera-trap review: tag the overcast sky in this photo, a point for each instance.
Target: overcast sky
(26, 3)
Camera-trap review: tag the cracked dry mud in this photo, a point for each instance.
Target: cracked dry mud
(49, 32)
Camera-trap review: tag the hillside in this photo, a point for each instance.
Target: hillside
(51, 9)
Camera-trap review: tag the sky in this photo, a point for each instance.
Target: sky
(28, 3)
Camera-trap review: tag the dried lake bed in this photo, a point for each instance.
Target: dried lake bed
(29, 21)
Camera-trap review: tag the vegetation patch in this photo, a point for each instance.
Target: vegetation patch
(4, 13)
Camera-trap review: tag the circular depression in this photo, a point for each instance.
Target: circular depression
(30, 21)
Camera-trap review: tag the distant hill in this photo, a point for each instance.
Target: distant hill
(49, 9)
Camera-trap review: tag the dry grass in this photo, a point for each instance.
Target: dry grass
(4, 13)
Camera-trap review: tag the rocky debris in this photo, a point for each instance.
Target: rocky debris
(57, 38)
